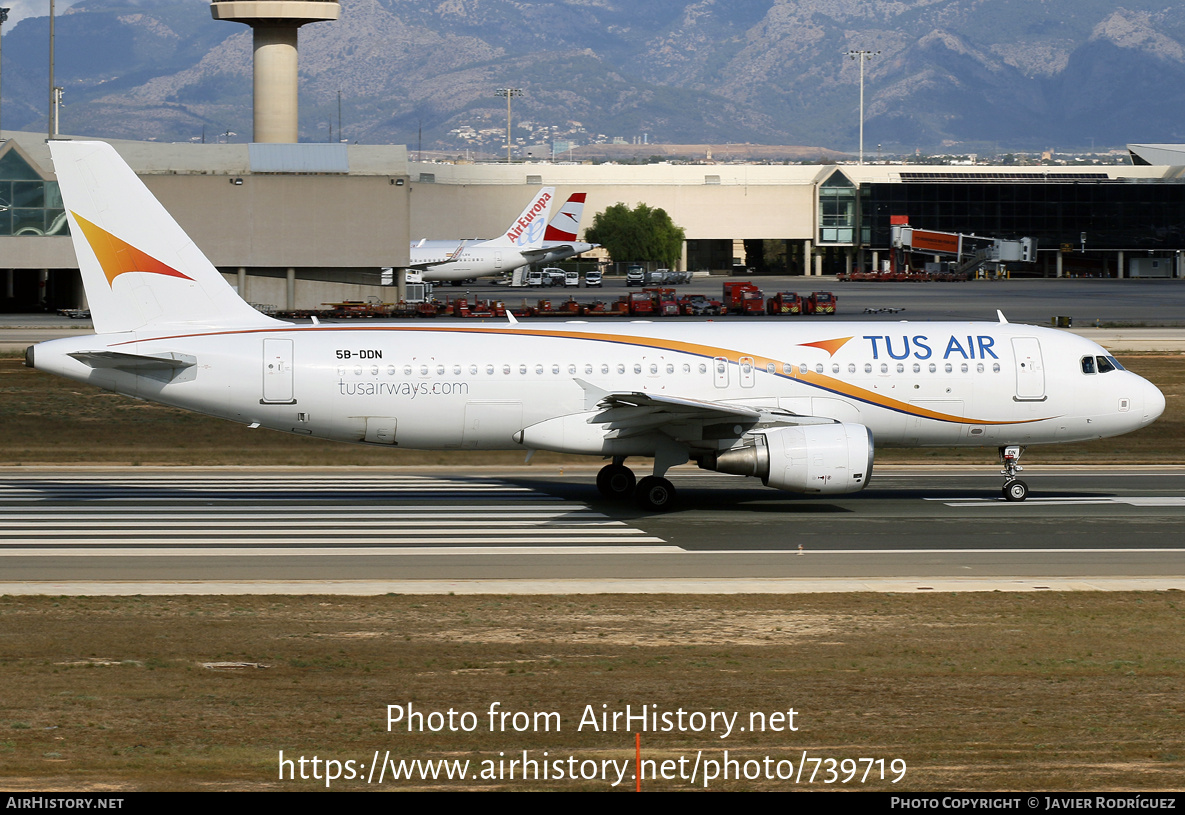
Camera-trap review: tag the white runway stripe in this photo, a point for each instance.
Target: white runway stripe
(298, 515)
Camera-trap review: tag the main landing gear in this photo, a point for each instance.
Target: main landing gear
(652, 493)
(1014, 489)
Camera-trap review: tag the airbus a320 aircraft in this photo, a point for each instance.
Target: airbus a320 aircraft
(524, 242)
(798, 406)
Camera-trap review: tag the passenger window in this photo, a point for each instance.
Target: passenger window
(979, 368)
(522, 369)
(771, 368)
(423, 370)
(949, 368)
(539, 370)
(506, 370)
(686, 368)
(835, 368)
(819, 368)
(390, 370)
(407, 370)
(802, 369)
(670, 369)
(995, 367)
(703, 367)
(620, 368)
(572, 370)
(555, 370)
(588, 369)
(490, 370)
(963, 367)
(653, 368)
(1088, 365)
(440, 370)
(851, 367)
(374, 370)
(884, 368)
(867, 367)
(933, 368)
(917, 369)
(900, 367)
(456, 370)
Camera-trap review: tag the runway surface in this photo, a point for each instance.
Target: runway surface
(534, 529)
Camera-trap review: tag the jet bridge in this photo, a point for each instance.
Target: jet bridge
(972, 253)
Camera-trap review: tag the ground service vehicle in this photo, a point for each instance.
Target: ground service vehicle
(743, 298)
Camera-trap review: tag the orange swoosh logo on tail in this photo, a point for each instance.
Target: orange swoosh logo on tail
(118, 256)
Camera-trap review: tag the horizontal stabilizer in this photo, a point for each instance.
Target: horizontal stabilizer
(165, 369)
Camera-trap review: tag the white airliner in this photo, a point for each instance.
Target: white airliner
(797, 405)
(529, 239)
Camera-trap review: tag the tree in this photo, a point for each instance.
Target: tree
(640, 234)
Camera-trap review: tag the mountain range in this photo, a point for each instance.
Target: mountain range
(952, 75)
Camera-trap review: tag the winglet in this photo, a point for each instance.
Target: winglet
(511, 318)
(1000, 314)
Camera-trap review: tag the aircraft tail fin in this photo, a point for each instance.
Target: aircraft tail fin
(565, 226)
(527, 230)
(138, 266)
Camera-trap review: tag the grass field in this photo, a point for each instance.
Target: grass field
(972, 692)
(48, 420)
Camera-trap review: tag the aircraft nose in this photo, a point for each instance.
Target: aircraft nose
(1153, 403)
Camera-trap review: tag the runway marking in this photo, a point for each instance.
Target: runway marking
(1135, 501)
(266, 516)
(471, 551)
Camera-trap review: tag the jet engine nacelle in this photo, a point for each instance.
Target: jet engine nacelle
(822, 458)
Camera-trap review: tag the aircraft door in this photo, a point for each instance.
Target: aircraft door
(1030, 372)
(720, 369)
(277, 373)
(745, 367)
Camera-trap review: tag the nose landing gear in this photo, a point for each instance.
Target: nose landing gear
(1014, 489)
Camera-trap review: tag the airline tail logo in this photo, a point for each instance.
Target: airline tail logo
(566, 223)
(117, 256)
(528, 224)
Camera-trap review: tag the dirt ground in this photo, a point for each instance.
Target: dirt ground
(940, 692)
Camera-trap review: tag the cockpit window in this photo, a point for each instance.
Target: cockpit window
(1115, 362)
(1088, 365)
(1105, 365)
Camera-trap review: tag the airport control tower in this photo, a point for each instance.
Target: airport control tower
(274, 24)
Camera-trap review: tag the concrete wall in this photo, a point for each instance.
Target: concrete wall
(291, 220)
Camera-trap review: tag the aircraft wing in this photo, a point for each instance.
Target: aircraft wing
(634, 414)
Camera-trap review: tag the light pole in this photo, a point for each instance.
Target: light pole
(3, 20)
(509, 93)
(862, 57)
(53, 125)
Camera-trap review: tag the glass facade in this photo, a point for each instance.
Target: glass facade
(28, 204)
(837, 210)
(1114, 214)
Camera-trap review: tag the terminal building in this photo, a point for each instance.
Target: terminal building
(296, 225)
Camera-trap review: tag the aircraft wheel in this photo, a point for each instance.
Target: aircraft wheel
(1016, 490)
(616, 481)
(655, 494)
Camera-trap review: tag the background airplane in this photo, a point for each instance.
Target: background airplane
(445, 260)
(799, 407)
